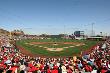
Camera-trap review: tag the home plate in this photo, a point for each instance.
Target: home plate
(45, 47)
(71, 46)
(40, 46)
(54, 49)
(65, 47)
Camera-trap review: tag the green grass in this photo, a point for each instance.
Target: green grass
(66, 52)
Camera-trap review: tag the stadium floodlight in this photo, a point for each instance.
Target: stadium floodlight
(92, 29)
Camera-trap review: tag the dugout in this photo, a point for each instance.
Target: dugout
(95, 38)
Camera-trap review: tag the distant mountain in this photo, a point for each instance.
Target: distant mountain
(17, 32)
(4, 32)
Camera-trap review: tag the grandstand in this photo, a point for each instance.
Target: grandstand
(54, 36)
(13, 59)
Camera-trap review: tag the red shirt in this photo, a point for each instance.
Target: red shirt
(69, 71)
(103, 71)
(30, 65)
(13, 69)
(54, 71)
(48, 71)
(88, 68)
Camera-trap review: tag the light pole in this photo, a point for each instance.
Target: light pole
(92, 29)
(64, 33)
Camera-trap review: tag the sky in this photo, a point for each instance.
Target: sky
(55, 16)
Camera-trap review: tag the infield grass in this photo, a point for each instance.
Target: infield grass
(70, 51)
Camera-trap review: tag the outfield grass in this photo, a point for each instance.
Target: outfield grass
(66, 52)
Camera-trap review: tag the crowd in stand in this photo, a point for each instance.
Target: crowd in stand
(96, 61)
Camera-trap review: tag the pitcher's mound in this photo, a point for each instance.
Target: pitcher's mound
(54, 49)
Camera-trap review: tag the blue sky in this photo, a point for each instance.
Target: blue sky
(55, 16)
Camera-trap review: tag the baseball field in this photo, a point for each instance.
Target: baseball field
(55, 47)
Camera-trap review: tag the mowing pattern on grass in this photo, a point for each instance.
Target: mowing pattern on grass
(55, 45)
(66, 47)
